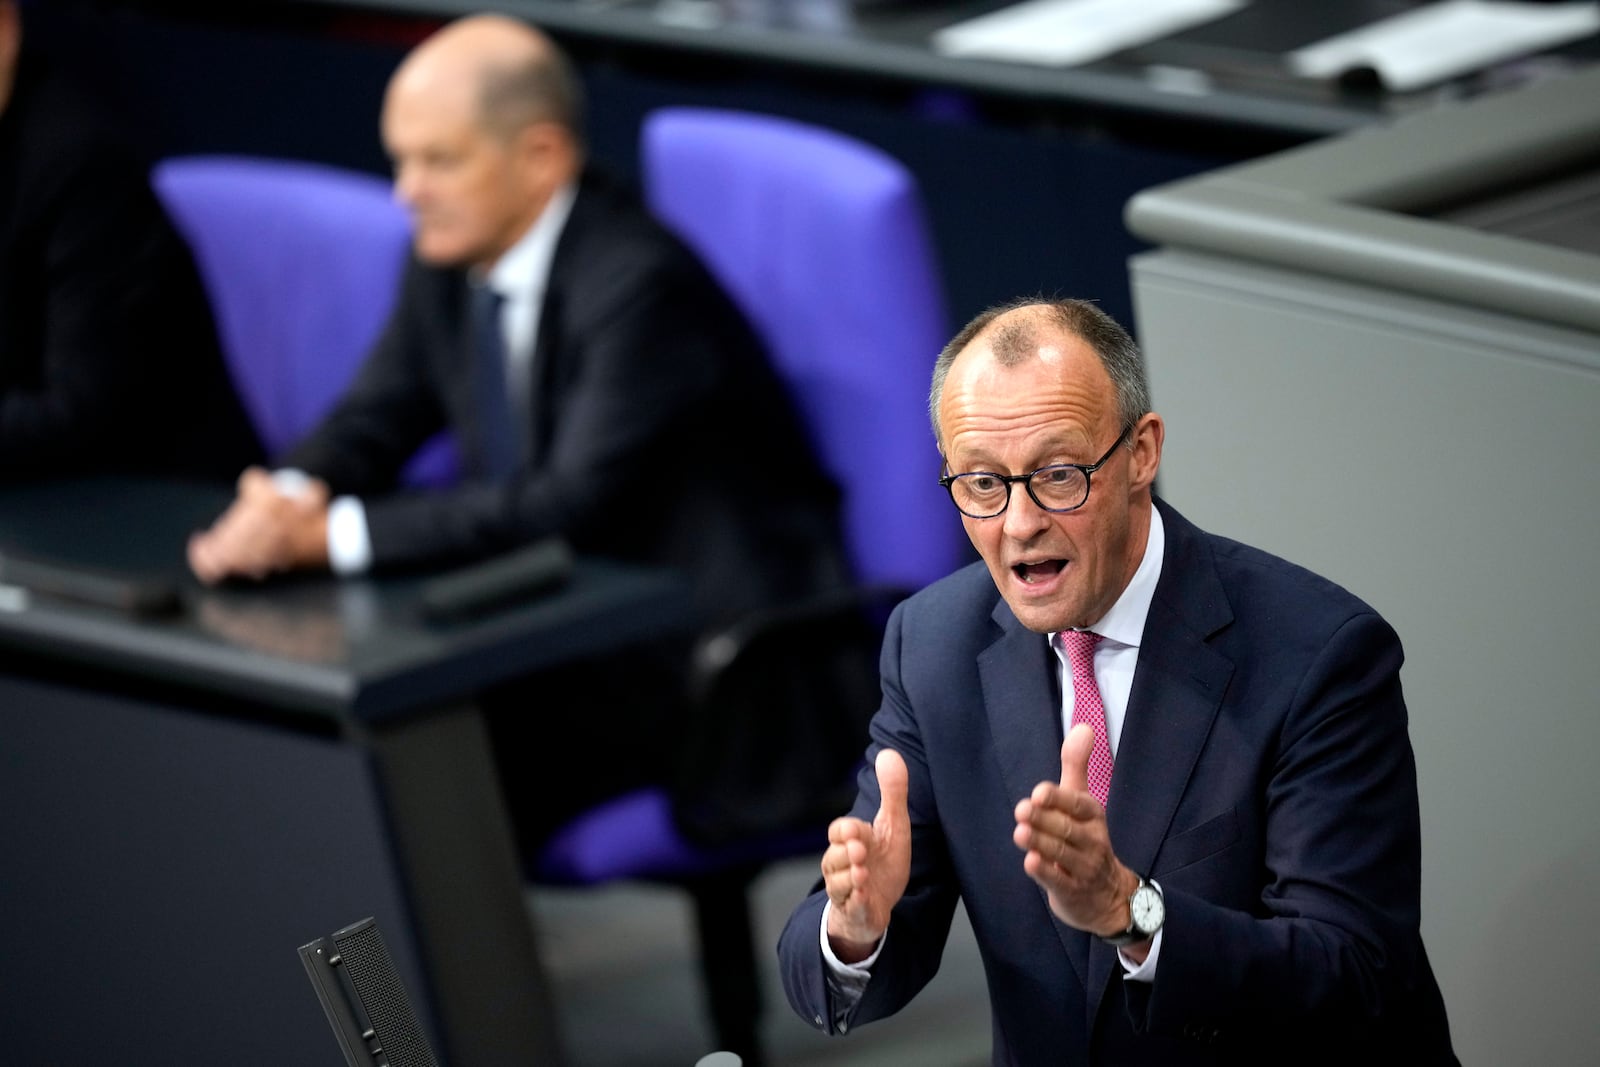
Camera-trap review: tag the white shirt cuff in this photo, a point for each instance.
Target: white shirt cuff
(349, 544)
(858, 971)
(290, 481)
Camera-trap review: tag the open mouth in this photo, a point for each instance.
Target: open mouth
(1043, 571)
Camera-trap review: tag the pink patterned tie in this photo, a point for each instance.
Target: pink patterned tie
(1086, 706)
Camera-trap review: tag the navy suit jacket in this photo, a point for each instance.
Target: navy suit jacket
(656, 431)
(1264, 778)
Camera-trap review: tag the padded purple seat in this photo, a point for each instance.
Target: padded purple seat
(822, 241)
(633, 836)
(302, 262)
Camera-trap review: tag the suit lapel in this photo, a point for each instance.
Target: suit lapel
(544, 381)
(1177, 689)
(1021, 696)
(593, 207)
(1019, 676)
(542, 387)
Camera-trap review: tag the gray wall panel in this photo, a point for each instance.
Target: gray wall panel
(1443, 463)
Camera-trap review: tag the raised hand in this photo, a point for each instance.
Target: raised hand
(867, 866)
(1062, 830)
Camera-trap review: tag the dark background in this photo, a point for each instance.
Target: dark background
(1024, 196)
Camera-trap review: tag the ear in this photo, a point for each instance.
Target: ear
(547, 152)
(1146, 440)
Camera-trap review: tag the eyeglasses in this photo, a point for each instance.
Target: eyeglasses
(1058, 487)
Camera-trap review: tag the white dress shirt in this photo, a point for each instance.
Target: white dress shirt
(1115, 659)
(520, 277)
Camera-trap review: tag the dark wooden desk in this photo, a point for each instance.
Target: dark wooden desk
(187, 799)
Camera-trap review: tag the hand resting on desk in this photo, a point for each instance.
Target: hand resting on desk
(267, 529)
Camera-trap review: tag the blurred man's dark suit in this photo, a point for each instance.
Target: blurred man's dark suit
(656, 432)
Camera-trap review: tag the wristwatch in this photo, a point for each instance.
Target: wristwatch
(1146, 912)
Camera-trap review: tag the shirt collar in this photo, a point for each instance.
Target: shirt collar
(526, 265)
(1124, 623)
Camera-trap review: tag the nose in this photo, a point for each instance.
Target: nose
(406, 184)
(1022, 517)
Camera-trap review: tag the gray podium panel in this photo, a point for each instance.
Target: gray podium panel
(1440, 462)
(1379, 356)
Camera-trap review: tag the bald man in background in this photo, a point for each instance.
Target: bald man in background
(629, 407)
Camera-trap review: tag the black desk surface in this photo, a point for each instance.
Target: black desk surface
(148, 751)
(341, 649)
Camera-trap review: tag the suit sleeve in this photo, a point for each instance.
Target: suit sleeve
(392, 405)
(1332, 946)
(920, 924)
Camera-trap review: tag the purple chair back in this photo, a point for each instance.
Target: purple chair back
(822, 241)
(302, 263)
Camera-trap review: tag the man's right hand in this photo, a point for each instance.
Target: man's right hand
(264, 530)
(867, 866)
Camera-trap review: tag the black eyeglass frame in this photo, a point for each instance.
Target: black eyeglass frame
(1088, 469)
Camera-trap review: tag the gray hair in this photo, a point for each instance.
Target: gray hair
(1017, 339)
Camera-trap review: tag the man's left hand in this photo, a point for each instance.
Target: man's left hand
(1062, 829)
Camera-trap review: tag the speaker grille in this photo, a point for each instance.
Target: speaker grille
(366, 961)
